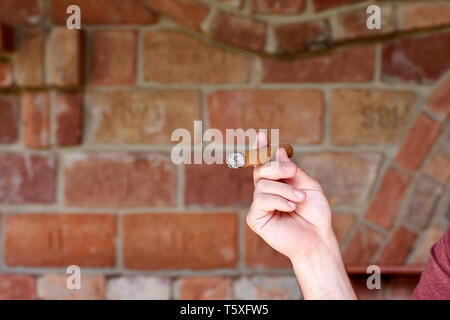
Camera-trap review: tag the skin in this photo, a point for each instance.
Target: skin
(291, 213)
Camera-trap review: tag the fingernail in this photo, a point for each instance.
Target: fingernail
(291, 204)
(299, 194)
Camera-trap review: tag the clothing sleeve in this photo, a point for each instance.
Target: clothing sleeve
(434, 282)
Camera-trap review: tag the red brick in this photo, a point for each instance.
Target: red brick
(370, 116)
(175, 57)
(17, 287)
(384, 205)
(7, 35)
(65, 57)
(326, 4)
(342, 224)
(237, 4)
(440, 99)
(267, 288)
(353, 24)
(30, 67)
(345, 177)
(21, 11)
(139, 288)
(68, 108)
(421, 253)
(191, 13)
(359, 284)
(398, 247)
(424, 14)
(53, 287)
(104, 11)
(418, 142)
(438, 167)
(239, 31)
(179, 241)
(59, 240)
(8, 119)
(362, 246)
(259, 254)
(119, 180)
(140, 116)
(114, 57)
(402, 287)
(353, 65)
(302, 36)
(402, 60)
(425, 192)
(27, 178)
(6, 74)
(36, 119)
(203, 181)
(278, 6)
(204, 288)
(296, 113)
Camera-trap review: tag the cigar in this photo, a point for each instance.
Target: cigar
(255, 156)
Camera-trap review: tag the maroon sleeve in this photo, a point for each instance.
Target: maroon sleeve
(434, 282)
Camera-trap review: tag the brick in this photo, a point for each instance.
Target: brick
(179, 241)
(402, 61)
(36, 119)
(301, 36)
(104, 11)
(190, 13)
(362, 246)
(421, 252)
(237, 4)
(17, 287)
(424, 14)
(9, 114)
(401, 287)
(141, 116)
(320, 5)
(30, 67)
(201, 183)
(68, 108)
(440, 99)
(425, 192)
(355, 64)
(278, 6)
(353, 24)
(342, 223)
(418, 142)
(266, 288)
(297, 114)
(118, 180)
(385, 204)
(46, 240)
(65, 57)
(240, 31)
(345, 177)
(398, 247)
(174, 57)
(370, 116)
(7, 35)
(114, 57)
(138, 288)
(53, 287)
(204, 288)
(20, 11)
(438, 167)
(6, 74)
(259, 254)
(27, 178)
(359, 284)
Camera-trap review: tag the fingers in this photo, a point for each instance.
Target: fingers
(260, 140)
(275, 170)
(280, 189)
(263, 203)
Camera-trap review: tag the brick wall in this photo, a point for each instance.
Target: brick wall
(86, 118)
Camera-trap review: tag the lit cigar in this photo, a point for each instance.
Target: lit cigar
(256, 156)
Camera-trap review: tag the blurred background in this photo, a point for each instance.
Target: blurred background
(86, 118)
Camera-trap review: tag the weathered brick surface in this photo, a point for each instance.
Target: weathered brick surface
(438, 167)
(179, 241)
(440, 99)
(68, 109)
(353, 65)
(8, 119)
(35, 108)
(6, 74)
(204, 288)
(418, 142)
(174, 57)
(304, 35)
(21, 11)
(138, 288)
(188, 12)
(30, 67)
(296, 113)
(45, 240)
(327, 4)
(345, 177)
(17, 287)
(278, 6)
(342, 223)
(359, 284)
(424, 14)
(65, 57)
(369, 116)
(27, 178)
(362, 246)
(53, 287)
(421, 252)
(402, 287)
(141, 116)
(118, 180)
(398, 247)
(267, 288)
(384, 205)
